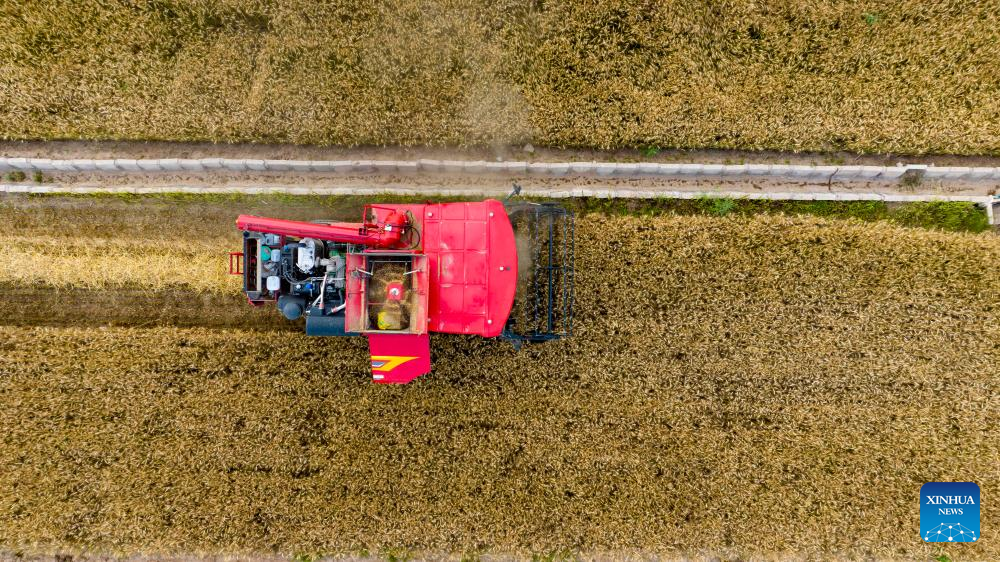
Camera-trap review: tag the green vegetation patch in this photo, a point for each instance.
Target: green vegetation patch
(943, 215)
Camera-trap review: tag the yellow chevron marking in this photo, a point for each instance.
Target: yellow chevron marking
(387, 363)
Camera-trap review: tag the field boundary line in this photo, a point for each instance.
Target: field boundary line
(788, 172)
(986, 201)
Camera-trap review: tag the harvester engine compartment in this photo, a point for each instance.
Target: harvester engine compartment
(304, 277)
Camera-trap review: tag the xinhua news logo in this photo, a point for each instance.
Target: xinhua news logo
(949, 512)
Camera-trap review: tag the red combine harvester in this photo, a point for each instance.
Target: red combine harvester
(404, 271)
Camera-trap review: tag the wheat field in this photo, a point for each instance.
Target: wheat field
(743, 387)
(902, 76)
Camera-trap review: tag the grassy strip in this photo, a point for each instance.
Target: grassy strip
(900, 76)
(726, 376)
(943, 215)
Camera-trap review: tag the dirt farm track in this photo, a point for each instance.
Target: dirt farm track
(755, 387)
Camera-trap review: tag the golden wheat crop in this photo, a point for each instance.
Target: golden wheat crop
(893, 76)
(110, 264)
(751, 387)
(158, 244)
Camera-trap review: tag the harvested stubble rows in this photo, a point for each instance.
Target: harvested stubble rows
(741, 386)
(888, 76)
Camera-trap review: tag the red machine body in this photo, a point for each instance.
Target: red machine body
(385, 235)
(404, 271)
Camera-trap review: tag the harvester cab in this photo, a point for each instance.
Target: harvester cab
(480, 268)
